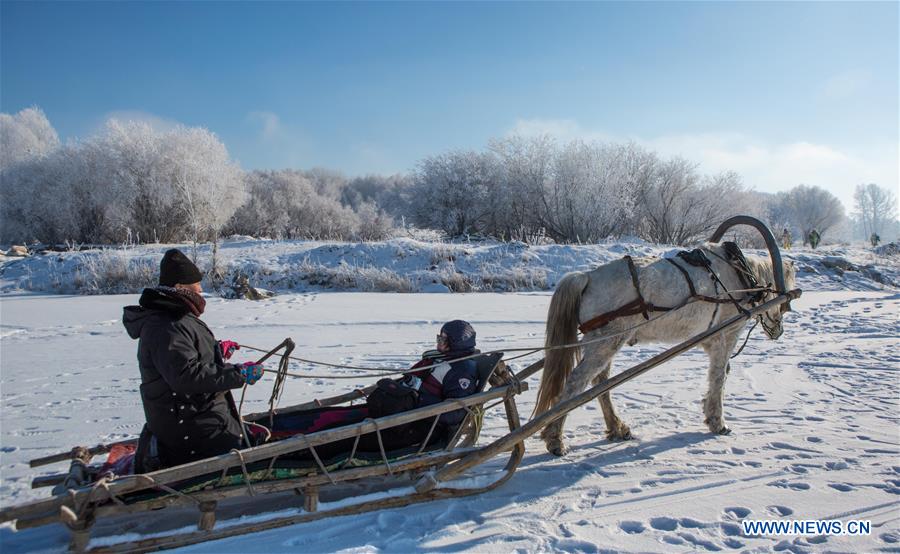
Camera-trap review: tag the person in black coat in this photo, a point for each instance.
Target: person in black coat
(185, 380)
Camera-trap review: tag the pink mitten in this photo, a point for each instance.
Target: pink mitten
(228, 347)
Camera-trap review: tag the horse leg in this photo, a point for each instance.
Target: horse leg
(719, 351)
(581, 375)
(616, 430)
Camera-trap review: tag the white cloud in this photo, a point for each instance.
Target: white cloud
(277, 143)
(269, 124)
(766, 166)
(562, 129)
(846, 84)
(155, 122)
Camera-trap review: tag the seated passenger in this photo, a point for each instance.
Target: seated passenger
(449, 379)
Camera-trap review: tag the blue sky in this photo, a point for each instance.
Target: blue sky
(783, 93)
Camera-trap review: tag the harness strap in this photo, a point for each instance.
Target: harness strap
(637, 287)
(634, 307)
(687, 277)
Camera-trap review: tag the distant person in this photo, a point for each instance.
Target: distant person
(874, 239)
(185, 382)
(813, 239)
(786, 239)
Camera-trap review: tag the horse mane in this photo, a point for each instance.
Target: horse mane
(763, 270)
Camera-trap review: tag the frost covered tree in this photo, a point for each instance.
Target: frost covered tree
(451, 191)
(528, 187)
(285, 205)
(391, 194)
(528, 165)
(25, 135)
(130, 182)
(374, 224)
(876, 209)
(171, 185)
(806, 208)
(589, 194)
(680, 206)
(208, 186)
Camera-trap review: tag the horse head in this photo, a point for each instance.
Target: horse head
(772, 319)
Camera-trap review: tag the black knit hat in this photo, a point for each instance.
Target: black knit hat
(176, 268)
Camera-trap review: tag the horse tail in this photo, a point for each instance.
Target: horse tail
(562, 328)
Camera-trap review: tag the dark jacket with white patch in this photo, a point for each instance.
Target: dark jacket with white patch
(448, 380)
(185, 382)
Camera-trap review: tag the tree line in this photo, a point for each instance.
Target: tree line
(134, 183)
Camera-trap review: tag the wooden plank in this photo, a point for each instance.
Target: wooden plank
(448, 472)
(48, 480)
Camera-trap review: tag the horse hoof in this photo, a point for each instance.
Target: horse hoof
(557, 449)
(623, 433)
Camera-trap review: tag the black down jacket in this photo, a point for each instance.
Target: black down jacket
(185, 382)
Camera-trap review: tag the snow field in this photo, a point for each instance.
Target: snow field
(815, 419)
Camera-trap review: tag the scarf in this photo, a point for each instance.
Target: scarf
(192, 301)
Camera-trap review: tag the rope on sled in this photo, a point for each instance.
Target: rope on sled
(315, 454)
(428, 436)
(381, 445)
(244, 471)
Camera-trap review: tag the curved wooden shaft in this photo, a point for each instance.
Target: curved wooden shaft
(771, 244)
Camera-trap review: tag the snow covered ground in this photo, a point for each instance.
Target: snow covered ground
(815, 419)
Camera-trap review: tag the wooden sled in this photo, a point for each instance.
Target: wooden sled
(111, 515)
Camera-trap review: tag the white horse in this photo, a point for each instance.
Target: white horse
(581, 297)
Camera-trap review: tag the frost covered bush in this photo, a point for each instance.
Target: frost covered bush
(455, 280)
(290, 205)
(500, 279)
(352, 277)
(114, 272)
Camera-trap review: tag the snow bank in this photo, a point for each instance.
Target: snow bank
(399, 265)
